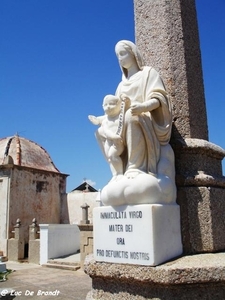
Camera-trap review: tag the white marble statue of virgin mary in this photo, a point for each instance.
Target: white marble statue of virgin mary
(148, 159)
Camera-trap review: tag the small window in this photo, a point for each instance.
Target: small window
(41, 186)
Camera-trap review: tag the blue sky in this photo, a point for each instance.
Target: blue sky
(57, 62)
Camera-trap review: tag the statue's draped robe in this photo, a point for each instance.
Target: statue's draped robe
(144, 134)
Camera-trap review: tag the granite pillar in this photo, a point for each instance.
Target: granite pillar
(167, 36)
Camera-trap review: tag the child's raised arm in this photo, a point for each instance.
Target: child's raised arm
(96, 120)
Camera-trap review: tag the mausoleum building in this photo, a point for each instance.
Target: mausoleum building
(30, 187)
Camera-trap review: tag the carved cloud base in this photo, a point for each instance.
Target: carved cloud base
(142, 189)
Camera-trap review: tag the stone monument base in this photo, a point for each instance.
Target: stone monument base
(146, 234)
(198, 277)
(2, 267)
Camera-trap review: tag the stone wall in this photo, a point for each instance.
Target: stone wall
(35, 194)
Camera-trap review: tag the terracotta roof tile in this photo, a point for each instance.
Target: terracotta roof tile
(26, 153)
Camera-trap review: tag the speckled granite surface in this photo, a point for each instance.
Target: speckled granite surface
(190, 277)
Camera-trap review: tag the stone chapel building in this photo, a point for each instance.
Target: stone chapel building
(30, 187)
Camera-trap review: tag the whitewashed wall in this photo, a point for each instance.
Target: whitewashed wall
(72, 211)
(4, 202)
(57, 240)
